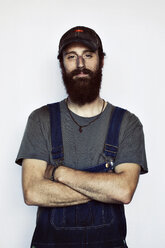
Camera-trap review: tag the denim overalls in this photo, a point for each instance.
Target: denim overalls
(90, 225)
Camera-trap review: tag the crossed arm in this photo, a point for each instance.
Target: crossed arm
(75, 187)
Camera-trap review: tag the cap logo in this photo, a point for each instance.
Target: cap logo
(79, 31)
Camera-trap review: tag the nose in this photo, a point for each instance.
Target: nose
(80, 62)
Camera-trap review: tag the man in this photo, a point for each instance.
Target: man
(81, 157)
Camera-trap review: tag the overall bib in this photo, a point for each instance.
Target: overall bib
(90, 225)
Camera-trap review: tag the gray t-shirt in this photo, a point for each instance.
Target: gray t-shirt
(82, 150)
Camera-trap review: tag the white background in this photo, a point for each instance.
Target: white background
(133, 35)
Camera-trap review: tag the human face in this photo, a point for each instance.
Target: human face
(78, 56)
(82, 74)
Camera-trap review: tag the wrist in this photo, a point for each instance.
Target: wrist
(58, 173)
(63, 174)
(52, 175)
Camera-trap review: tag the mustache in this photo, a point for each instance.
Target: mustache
(78, 71)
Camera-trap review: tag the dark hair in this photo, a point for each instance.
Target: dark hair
(101, 53)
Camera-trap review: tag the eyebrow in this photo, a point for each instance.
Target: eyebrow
(66, 53)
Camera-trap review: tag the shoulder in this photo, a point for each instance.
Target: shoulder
(39, 114)
(129, 118)
(131, 121)
(42, 114)
(130, 124)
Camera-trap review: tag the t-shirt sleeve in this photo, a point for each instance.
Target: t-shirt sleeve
(131, 143)
(33, 145)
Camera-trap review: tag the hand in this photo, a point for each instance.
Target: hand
(48, 171)
(62, 172)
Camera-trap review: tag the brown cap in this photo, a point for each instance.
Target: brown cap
(83, 35)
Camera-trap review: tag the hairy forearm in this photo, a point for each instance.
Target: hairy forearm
(75, 187)
(53, 194)
(40, 191)
(104, 187)
(93, 185)
(99, 186)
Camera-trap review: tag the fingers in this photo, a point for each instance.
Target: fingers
(48, 171)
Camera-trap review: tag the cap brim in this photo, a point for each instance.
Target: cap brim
(78, 40)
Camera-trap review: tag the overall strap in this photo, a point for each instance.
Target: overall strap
(111, 144)
(56, 134)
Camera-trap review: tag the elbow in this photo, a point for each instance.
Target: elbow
(127, 197)
(28, 198)
(124, 196)
(127, 200)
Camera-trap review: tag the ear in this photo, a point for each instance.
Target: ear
(102, 62)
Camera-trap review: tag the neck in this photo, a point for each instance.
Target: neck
(87, 110)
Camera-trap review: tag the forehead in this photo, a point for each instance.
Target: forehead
(77, 47)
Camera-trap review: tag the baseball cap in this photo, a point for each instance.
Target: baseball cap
(80, 34)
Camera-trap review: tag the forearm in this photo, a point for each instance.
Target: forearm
(104, 187)
(52, 194)
(40, 191)
(93, 185)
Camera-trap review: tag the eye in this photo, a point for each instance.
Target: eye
(88, 56)
(71, 56)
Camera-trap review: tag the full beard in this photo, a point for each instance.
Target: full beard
(82, 90)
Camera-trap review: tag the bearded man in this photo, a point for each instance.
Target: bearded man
(81, 157)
